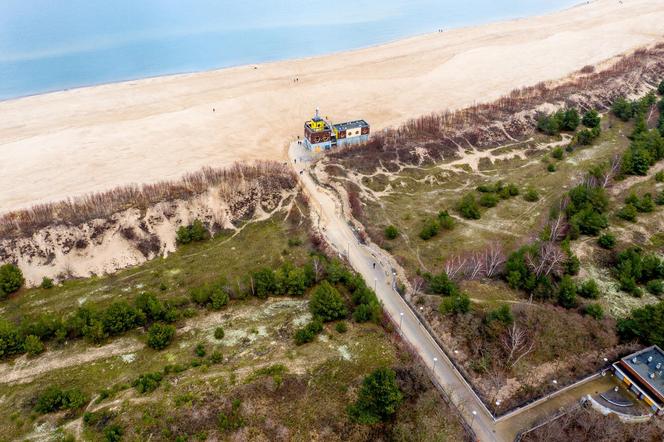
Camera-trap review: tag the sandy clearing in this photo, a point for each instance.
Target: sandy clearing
(73, 142)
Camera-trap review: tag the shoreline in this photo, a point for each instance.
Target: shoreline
(297, 58)
(90, 139)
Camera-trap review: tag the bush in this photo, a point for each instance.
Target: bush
(195, 231)
(11, 341)
(219, 333)
(430, 229)
(391, 232)
(148, 382)
(645, 204)
(326, 303)
(645, 324)
(591, 119)
(47, 283)
(659, 176)
(623, 109)
(594, 310)
(489, 200)
(586, 137)
(659, 200)
(160, 335)
(11, 279)
(264, 282)
(212, 295)
(502, 314)
(113, 433)
(660, 88)
(33, 345)
(308, 332)
(56, 399)
(457, 304)
(656, 287)
(551, 168)
(445, 220)
(567, 292)
(199, 350)
(216, 357)
(531, 195)
(233, 420)
(441, 284)
(558, 153)
(378, 399)
(628, 213)
(341, 327)
(589, 289)
(468, 207)
(548, 125)
(367, 312)
(607, 241)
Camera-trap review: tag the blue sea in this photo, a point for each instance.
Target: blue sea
(49, 45)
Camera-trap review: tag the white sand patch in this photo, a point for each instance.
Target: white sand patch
(128, 358)
(344, 352)
(302, 319)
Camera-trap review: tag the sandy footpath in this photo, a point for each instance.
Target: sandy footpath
(72, 142)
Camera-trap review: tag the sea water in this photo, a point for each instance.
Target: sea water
(49, 45)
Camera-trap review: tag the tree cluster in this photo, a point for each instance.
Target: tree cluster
(432, 226)
(193, 232)
(633, 267)
(11, 279)
(56, 399)
(378, 399)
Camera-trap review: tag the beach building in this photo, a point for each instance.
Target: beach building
(320, 134)
(643, 373)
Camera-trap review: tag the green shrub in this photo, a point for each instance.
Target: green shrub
(589, 289)
(551, 168)
(468, 207)
(147, 383)
(660, 88)
(430, 229)
(341, 327)
(219, 333)
(586, 137)
(391, 232)
(548, 125)
(445, 220)
(645, 324)
(11, 279)
(160, 335)
(656, 287)
(33, 345)
(216, 357)
(623, 109)
(11, 341)
(607, 241)
(212, 295)
(378, 399)
(56, 399)
(594, 310)
(659, 176)
(558, 153)
(591, 119)
(47, 283)
(195, 231)
(367, 312)
(294, 242)
(113, 433)
(502, 314)
(308, 332)
(628, 213)
(326, 303)
(531, 195)
(489, 200)
(233, 420)
(457, 304)
(645, 204)
(264, 282)
(659, 199)
(567, 292)
(441, 284)
(199, 350)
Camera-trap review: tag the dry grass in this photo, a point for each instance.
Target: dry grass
(75, 211)
(508, 118)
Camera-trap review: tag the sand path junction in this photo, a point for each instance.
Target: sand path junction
(73, 142)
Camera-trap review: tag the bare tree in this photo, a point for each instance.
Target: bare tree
(547, 260)
(318, 268)
(475, 266)
(517, 344)
(454, 267)
(494, 258)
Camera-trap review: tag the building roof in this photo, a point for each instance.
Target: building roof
(649, 365)
(351, 125)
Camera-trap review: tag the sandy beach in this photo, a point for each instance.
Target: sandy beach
(72, 142)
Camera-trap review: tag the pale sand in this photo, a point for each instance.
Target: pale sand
(73, 142)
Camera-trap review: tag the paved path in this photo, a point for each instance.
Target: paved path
(341, 236)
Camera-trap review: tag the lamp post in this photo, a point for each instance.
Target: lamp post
(434, 364)
(375, 282)
(472, 420)
(401, 322)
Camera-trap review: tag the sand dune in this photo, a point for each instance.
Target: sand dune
(73, 142)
